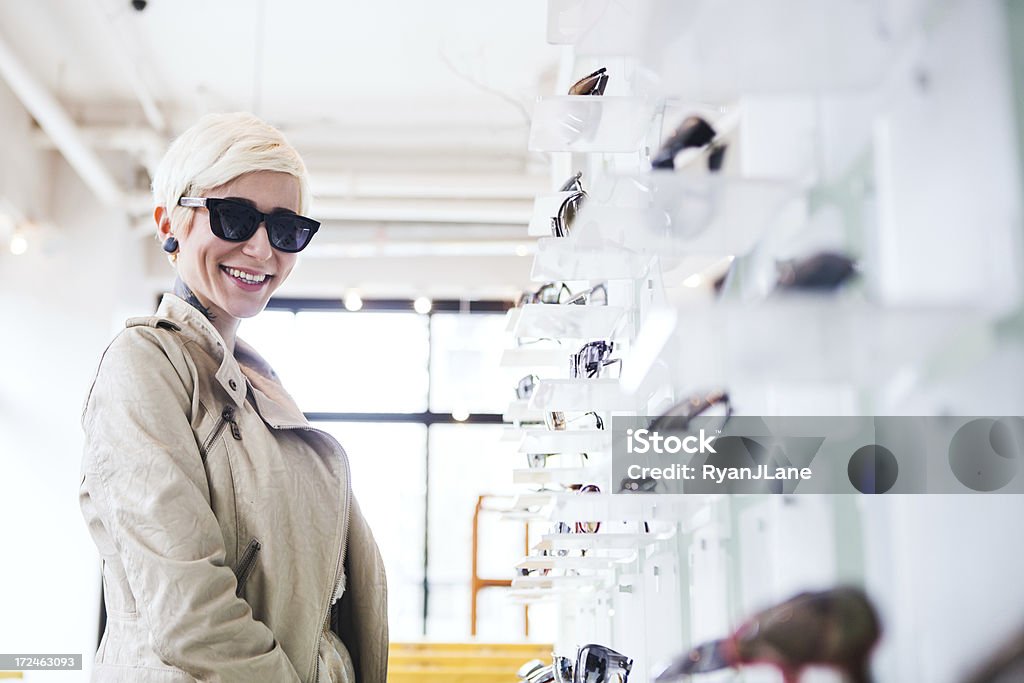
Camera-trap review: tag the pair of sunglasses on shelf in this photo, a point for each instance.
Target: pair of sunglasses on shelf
(235, 220)
(593, 664)
(693, 132)
(716, 409)
(837, 628)
(558, 460)
(593, 360)
(561, 222)
(580, 527)
(559, 293)
(591, 84)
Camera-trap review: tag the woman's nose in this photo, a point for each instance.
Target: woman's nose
(258, 246)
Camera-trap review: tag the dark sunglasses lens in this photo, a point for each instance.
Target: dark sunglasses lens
(591, 667)
(233, 222)
(567, 213)
(290, 233)
(593, 84)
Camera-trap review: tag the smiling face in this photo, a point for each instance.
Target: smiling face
(235, 280)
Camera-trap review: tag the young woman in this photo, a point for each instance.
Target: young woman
(232, 547)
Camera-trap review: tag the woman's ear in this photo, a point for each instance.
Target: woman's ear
(163, 222)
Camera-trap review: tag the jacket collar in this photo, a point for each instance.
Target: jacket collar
(245, 370)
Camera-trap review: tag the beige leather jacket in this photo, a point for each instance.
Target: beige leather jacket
(226, 524)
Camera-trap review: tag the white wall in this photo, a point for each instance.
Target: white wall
(60, 303)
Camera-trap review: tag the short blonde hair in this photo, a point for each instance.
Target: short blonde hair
(217, 149)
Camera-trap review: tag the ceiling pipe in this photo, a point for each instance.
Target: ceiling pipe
(59, 126)
(118, 40)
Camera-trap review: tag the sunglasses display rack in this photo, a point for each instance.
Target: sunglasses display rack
(572, 322)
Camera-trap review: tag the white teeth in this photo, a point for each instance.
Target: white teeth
(247, 277)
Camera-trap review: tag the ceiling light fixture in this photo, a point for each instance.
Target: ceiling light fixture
(19, 245)
(422, 305)
(353, 302)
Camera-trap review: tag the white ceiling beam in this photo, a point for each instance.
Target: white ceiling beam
(428, 185)
(58, 125)
(501, 212)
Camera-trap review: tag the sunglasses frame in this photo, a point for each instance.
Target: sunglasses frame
(265, 219)
(590, 368)
(591, 84)
(689, 408)
(611, 661)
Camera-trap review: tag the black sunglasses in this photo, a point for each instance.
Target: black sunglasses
(591, 84)
(679, 416)
(600, 664)
(236, 221)
(561, 223)
(591, 360)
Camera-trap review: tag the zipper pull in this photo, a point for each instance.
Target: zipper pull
(229, 416)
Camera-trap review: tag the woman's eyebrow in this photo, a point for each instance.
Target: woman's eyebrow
(249, 202)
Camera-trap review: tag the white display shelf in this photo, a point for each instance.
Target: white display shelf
(795, 338)
(556, 562)
(628, 543)
(568, 441)
(564, 258)
(590, 123)
(574, 582)
(678, 214)
(519, 411)
(581, 395)
(551, 321)
(530, 507)
(511, 318)
(711, 50)
(560, 475)
(532, 596)
(528, 357)
(511, 434)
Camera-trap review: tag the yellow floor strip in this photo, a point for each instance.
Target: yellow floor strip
(423, 662)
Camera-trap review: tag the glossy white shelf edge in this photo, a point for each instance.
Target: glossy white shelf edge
(527, 357)
(568, 441)
(566, 123)
(565, 258)
(581, 395)
(551, 321)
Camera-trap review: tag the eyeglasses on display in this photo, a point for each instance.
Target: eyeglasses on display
(236, 221)
(559, 293)
(694, 131)
(556, 421)
(592, 359)
(591, 84)
(823, 271)
(525, 387)
(540, 460)
(600, 664)
(836, 628)
(561, 222)
(588, 527)
(711, 404)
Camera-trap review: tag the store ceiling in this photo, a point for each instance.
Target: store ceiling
(401, 108)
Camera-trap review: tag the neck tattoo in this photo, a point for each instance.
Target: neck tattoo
(182, 290)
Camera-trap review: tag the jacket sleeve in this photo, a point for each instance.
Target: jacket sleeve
(146, 481)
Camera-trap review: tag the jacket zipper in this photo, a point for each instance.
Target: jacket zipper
(246, 564)
(227, 416)
(340, 557)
